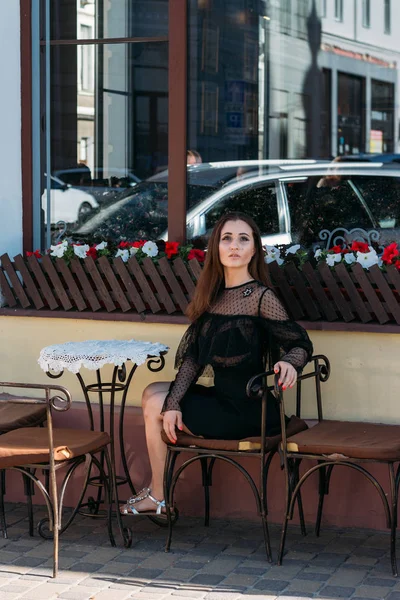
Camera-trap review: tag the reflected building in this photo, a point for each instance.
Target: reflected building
(292, 78)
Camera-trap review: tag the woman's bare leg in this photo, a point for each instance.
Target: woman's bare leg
(152, 402)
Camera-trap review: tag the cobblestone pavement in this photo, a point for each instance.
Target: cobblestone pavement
(223, 562)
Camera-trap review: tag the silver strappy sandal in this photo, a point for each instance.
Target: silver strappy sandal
(144, 493)
(129, 509)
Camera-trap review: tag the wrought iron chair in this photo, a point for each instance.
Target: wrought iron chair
(15, 416)
(339, 443)
(27, 449)
(262, 448)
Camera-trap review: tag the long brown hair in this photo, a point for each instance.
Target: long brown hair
(212, 280)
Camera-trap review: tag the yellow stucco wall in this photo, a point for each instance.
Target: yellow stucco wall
(365, 381)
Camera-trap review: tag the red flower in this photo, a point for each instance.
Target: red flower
(397, 265)
(35, 253)
(92, 252)
(336, 249)
(124, 245)
(171, 248)
(138, 244)
(390, 253)
(360, 247)
(200, 255)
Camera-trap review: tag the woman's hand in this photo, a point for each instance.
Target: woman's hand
(172, 419)
(288, 374)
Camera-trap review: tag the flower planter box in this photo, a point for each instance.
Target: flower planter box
(88, 285)
(310, 293)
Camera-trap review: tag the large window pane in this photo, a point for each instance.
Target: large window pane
(282, 99)
(89, 19)
(108, 133)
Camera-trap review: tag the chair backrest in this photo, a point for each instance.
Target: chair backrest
(259, 386)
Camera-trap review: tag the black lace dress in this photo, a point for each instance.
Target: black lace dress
(246, 330)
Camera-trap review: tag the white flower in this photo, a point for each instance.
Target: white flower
(101, 246)
(150, 248)
(293, 249)
(317, 254)
(350, 258)
(81, 251)
(273, 253)
(123, 253)
(367, 259)
(133, 250)
(331, 259)
(59, 249)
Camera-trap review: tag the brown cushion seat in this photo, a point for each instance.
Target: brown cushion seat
(14, 416)
(30, 445)
(294, 426)
(352, 439)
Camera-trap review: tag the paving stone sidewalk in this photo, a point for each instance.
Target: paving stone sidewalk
(225, 561)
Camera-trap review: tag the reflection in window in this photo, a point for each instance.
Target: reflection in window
(109, 131)
(86, 60)
(325, 202)
(366, 13)
(286, 16)
(387, 16)
(339, 10)
(302, 14)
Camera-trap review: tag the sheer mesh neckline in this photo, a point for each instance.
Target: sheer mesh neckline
(235, 287)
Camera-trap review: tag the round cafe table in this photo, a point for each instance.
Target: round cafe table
(126, 356)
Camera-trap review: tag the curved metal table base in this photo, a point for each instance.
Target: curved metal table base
(120, 383)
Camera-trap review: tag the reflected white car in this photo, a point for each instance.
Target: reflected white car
(68, 204)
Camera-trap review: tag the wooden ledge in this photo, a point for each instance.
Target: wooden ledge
(180, 319)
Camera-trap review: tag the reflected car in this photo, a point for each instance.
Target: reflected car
(108, 186)
(68, 204)
(310, 204)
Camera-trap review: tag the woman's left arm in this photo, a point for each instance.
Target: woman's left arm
(286, 334)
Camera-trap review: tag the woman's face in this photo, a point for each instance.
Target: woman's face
(236, 244)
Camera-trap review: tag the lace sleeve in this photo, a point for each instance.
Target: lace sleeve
(287, 334)
(188, 373)
(189, 370)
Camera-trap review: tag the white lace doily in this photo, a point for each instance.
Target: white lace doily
(94, 354)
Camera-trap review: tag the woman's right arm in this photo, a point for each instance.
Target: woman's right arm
(188, 373)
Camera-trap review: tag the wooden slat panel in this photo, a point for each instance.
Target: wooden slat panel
(152, 272)
(374, 301)
(324, 303)
(173, 283)
(99, 283)
(148, 295)
(57, 283)
(195, 267)
(109, 274)
(42, 282)
(19, 291)
(337, 295)
(282, 284)
(79, 271)
(6, 290)
(180, 269)
(131, 290)
(30, 285)
(386, 292)
(394, 277)
(71, 284)
(305, 298)
(357, 302)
